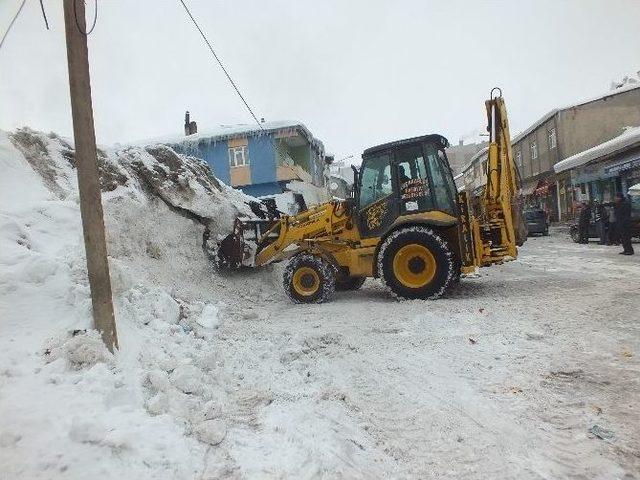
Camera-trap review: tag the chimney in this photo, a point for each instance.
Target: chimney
(189, 127)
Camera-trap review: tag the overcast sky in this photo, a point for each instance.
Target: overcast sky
(357, 73)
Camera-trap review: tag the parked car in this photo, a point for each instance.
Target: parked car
(574, 230)
(537, 221)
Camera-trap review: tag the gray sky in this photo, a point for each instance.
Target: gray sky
(357, 73)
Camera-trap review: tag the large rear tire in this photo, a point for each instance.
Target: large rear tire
(350, 283)
(416, 263)
(309, 279)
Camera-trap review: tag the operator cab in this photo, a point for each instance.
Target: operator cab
(401, 178)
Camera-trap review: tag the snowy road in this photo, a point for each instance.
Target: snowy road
(502, 379)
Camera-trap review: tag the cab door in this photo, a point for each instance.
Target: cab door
(413, 182)
(377, 202)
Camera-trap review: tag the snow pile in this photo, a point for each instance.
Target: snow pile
(70, 409)
(628, 138)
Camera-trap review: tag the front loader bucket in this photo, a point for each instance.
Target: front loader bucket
(231, 248)
(238, 249)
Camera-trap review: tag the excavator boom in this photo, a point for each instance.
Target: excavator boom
(499, 228)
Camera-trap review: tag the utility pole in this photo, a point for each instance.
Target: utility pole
(88, 177)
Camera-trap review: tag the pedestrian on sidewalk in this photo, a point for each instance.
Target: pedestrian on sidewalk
(583, 222)
(612, 233)
(623, 216)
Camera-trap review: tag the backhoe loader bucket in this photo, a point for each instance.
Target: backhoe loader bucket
(238, 249)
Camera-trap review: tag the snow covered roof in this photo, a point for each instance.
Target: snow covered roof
(550, 114)
(225, 132)
(628, 138)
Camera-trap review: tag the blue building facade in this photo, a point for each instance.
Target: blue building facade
(259, 161)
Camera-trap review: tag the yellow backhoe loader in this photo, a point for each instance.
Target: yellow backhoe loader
(405, 223)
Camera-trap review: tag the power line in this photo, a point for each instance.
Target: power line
(233, 84)
(95, 18)
(44, 15)
(4, 37)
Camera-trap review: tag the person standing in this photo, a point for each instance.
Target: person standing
(623, 217)
(612, 234)
(583, 222)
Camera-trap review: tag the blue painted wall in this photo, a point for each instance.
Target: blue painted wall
(262, 162)
(215, 154)
(262, 189)
(262, 157)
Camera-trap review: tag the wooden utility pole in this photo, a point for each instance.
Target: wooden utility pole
(88, 177)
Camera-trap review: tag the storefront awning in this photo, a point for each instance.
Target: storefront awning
(622, 166)
(542, 189)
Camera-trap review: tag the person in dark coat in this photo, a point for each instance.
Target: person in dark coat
(612, 230)
(623, 218)
(583, 222)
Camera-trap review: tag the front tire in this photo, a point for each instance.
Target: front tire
(416, 263)
(309, 279)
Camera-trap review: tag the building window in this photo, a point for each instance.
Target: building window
(238, 156)
(552, 138)
(534, 150)
(519, 157)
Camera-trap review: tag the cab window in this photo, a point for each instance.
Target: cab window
(413, 181)
(439, 176)
(376, 179)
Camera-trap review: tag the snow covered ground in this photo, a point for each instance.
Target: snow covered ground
(222, 377)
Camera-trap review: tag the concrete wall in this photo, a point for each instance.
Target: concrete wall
(588, 125)
(547, 156)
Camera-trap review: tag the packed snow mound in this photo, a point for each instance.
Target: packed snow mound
(184, 183)
(161, 400)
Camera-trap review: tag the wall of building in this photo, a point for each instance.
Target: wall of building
(216, 154)
(547, 156)
(588, 125)
(460, 155)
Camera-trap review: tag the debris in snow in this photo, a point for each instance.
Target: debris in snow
(472, 341)
(627, 354)
(209, 317)
(534, 335)
(187, 378)
(212, 432)
(81, 350)
(601, 433)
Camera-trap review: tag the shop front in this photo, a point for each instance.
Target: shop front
(542, 194)
(627, 170)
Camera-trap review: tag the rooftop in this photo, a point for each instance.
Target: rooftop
(225, 132)
(550, 114)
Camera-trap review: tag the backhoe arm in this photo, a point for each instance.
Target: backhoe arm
(499, 228)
